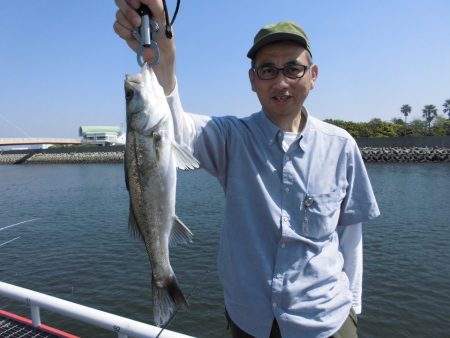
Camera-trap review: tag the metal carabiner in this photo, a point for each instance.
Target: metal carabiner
(140, 59)
(145, 35)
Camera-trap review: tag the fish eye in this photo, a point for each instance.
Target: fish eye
(129, 94)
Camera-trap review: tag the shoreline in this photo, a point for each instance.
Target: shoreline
(115, 154)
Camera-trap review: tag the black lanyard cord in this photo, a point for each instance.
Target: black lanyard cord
(169, 23)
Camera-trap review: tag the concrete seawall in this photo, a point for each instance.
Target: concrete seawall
(115, 154)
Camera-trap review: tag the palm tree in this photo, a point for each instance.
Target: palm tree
(405, 110)
(429, 112)
(446, 109)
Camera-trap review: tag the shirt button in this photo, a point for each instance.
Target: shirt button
(283, 245)
(308, 201)
(274, 304)
(286, 189)
(287, 157)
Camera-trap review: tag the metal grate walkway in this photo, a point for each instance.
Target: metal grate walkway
(14, 326)
(11, 329)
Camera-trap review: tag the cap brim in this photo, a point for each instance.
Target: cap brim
(275, 37)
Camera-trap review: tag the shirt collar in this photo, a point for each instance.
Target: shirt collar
(273, 133)
(270, 130)
(306, 132)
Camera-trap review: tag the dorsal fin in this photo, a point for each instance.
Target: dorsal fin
(132, 225)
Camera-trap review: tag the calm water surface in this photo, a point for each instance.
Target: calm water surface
(79, 248)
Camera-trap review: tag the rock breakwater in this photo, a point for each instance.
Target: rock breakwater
(395, 155)
(63, 157)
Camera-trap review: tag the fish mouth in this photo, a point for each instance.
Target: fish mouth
(131, 82)
(133, 97)
(129, 91)
(134, 78)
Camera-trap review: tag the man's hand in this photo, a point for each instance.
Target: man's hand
(127, 20)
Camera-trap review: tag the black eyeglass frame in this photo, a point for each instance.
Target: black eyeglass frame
(305, 68)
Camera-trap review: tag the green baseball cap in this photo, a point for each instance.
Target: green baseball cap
(282, 31)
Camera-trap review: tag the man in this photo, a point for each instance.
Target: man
(296, 189)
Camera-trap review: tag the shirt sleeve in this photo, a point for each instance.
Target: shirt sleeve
(350, 246)
(359, 204)
(185, 125)
(205, 136)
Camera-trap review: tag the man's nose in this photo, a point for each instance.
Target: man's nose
(281, 80)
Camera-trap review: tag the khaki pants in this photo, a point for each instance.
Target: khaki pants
(347, 330)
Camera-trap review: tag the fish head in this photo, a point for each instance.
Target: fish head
(145, 100)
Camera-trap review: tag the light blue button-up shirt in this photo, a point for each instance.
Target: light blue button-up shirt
(279, 253)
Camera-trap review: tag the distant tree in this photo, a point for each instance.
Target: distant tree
(417, 128)
(356, 129)
(429, 112)
(441, 126)
(400, 127)
(398, 121)
(405, 110)
(446, 109)
(379, 128)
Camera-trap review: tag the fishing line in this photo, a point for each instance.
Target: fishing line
(13, 225)
(208, 272)
(11, 240)
(17, 127)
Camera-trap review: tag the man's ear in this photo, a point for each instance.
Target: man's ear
(251, 76)
(314, 74)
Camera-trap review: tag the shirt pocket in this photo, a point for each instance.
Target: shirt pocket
(321, 213)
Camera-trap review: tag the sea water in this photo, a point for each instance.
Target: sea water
(76, 246)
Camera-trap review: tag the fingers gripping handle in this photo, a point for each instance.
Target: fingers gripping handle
(144, 10)
(145, 28)
(146, 35)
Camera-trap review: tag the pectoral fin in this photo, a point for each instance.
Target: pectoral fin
(183, 158)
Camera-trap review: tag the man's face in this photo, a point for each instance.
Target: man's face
(282, 98)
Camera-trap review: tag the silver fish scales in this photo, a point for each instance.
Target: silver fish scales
(151, 160)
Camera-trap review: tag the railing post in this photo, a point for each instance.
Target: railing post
(35, 315)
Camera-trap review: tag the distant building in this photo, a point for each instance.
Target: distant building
(101, 135)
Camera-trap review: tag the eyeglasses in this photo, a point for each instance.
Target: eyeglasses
(269, 72)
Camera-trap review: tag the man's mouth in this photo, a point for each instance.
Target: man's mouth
(281, 98)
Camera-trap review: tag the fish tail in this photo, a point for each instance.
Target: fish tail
(166, 301)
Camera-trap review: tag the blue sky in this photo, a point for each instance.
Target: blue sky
(62, 66)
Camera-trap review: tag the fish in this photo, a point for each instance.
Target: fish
(151, 160)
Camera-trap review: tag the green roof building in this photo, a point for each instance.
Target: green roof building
(101, 135)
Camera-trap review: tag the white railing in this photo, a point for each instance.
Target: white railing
(124, 327)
